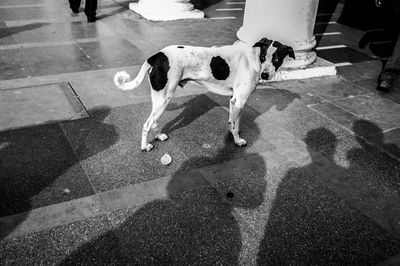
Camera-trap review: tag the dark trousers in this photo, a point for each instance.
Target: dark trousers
(392, 67)
(90, 6)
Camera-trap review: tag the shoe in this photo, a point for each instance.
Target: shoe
(384, 86)
(91, 19)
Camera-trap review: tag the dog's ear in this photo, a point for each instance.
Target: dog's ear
(289, 51)
(264, 44)
(281, 52)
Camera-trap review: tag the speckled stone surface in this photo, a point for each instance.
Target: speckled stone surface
(317, 183)
(17, 66)
(194, 227)
(55, 245)
(332, 88)
(117, 134)
(309, 223)
(38, 168)
(385, 113)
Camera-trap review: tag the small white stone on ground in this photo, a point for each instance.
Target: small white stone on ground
(166, 159)
(206, 146)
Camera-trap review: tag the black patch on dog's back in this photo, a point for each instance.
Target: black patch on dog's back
(219, 68)
(158, 74)
(180, 46)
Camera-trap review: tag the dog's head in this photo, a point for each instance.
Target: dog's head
(272, 54)
(280, 53)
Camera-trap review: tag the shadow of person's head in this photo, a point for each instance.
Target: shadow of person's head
(365, 128)
(321, 140)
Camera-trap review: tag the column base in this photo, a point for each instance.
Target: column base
(320, 68)
(303, 59)
(165, 15)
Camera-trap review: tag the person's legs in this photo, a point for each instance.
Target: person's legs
(74, 5)
(90, 10)
(391, 69)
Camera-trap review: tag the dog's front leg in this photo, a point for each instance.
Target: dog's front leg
(235, 113)
(145, 146)
(230, 111)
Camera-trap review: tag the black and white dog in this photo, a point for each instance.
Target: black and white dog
(232, 70)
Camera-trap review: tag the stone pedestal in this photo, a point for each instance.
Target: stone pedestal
(288, 21)
(163, 10)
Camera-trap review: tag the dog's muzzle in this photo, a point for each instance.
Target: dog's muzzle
(265, 75)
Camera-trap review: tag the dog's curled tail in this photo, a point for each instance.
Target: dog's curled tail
(121, 79)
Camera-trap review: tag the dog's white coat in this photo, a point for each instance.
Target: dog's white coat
(193, 63)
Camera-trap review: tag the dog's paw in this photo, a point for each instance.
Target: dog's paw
(241, 142)
(162, 136)
(148, 147)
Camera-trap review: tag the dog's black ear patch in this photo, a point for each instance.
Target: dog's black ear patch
(281, 52)
(219, 68)
(159, 72)
(264, 44)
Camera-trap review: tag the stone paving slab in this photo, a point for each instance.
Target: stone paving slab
(331, 88)
(35, 12)
(385, 113)
(14, 65)
(43, 104)
(62, 31)
(105, 55)
(49, 60)
(361, 71)
(296, 117)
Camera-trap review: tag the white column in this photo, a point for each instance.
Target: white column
(289, 21)
(162, 10)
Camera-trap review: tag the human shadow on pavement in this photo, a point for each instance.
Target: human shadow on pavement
(194, 224)
(38, 164)
(367, 130)
(9, 31)
(311, 224)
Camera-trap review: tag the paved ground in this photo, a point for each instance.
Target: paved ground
(318, 182)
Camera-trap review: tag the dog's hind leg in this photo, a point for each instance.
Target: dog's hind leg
(160, 100)
(160, 103)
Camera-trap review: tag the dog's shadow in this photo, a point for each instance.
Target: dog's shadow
(192, 109)
(260, 102)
